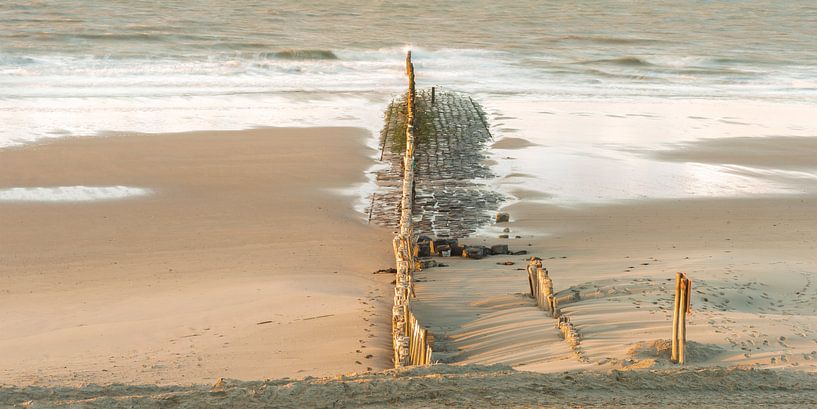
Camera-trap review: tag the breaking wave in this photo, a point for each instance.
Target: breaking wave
(628, 61)
(305, 55)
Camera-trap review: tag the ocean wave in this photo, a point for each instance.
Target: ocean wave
(607, 40)
(757, 61)
(629, 61)
(12, 60)
(676, 65)
(704, 71)
(599, 74)
(121, 36)
(295, 54)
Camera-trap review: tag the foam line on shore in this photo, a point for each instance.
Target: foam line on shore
(70, 193)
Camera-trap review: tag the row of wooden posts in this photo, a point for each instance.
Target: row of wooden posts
(410, 340)
(419, 348)
(541, 289)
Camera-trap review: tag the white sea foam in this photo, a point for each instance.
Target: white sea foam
(70, 193)
(56, 95)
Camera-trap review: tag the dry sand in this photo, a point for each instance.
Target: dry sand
(752, 262)
(457, 386)
(245, 262)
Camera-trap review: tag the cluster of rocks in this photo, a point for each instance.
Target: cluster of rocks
(449, 164)
(444, 247)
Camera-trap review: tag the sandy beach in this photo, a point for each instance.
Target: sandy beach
(752, 262)
(244, 261)
(484, 204)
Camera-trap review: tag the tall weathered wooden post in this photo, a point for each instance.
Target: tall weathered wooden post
(683, 293)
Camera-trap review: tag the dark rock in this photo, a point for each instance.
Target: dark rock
(443, 249)
(519, 253)
(502, 217)
(436, 244)
(474, 252)
(424, 249)
(506, 230)
(499, 249)
(503, 236)
(428, 263)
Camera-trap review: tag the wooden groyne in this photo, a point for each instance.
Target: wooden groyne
(409, 339)
(433, 142)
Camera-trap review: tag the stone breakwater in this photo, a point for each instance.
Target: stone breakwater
(449, 200)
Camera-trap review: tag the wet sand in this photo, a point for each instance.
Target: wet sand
(245, 261)
(771, 152)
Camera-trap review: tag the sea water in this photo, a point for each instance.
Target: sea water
(594, 85)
